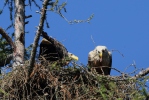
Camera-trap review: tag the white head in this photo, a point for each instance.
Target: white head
(101, 51)
(100, 48)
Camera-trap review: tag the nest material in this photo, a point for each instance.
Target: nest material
(71, 83)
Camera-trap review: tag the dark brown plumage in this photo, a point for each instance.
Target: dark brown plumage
(100, 59)
(52, 50)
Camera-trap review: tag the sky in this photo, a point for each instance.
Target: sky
(121, 25)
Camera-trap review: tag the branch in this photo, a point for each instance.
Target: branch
(27, 22)
(93, 41)
(28, 16)
(38, 32)
(118, 52)
(141, 73)
(8, 39)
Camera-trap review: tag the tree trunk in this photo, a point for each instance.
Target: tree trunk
(18, 55)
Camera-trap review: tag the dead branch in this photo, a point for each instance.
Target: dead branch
(141, 73)
(93, 40)
(29, 16)
(27, 22)
(8, 39)
(118, 52)
(38, 32)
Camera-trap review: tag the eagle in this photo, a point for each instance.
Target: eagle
(52, 50)
(100, 59)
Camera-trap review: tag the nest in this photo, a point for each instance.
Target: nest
(53, 82)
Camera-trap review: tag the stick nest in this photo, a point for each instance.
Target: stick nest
(75, 82)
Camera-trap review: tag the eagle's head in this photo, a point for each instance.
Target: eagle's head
(101, 52)
(72, 56)
(45, 41)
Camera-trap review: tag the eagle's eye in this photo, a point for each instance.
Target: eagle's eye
(103, 50)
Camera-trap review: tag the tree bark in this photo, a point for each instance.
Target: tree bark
(18, 55)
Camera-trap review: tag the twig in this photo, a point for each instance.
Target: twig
(141, 73)
(28, 16)
(134, 65)
(110, 68)
(93, 40)
(118, 52)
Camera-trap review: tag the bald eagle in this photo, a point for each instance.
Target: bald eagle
(52, 50)
(100, 59)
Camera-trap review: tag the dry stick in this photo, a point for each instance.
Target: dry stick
(118, 52)
(93, 40)
(141, 73)
(110, 68)
(134, 65)
(38, 32)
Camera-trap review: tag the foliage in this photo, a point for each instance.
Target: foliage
(5, 51)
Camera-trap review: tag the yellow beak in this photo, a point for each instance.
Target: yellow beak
(74, 57)
(100, 54)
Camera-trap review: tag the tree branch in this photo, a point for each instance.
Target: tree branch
(28, 16)
(8, 39)
(141, 73)
(38, 32)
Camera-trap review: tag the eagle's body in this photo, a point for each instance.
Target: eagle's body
(49, 51)
(52, 50)
(100, 59)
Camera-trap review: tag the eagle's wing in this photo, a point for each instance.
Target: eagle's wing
(62, 51)
(56, 48)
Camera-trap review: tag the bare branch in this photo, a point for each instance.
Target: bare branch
(141, 73)
(35, 2)
(28, 16)
(131, 65)
(93, 40)
(118, 52)
(27, 22)
(38, 32)
(76, 21)
(110, 68)
(8, 39)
